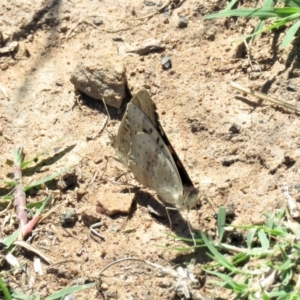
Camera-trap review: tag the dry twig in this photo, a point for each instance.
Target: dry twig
(265, 97)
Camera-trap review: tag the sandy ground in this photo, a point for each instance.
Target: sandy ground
(237, 150)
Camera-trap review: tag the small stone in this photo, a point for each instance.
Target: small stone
(291, 88)
(59, 83)
(11, 62)
(30, 38)
(104, 286)
(289, 160)
(80, 193)
(112, 293)
(254, 75)
(114, 203)
(4, 66)
(226, 162)
(97, 21)
(149, 3)
(297, 186)
(234, 128)
(118, 39)
(210, 36)
(70, 297)
(68, 216)
(182, 22)
(101, 77)
(69, 179)
(64, 27)
(166, 62)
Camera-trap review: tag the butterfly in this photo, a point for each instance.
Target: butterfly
(142, 146)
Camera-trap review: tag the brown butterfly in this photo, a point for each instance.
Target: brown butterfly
(144, 148)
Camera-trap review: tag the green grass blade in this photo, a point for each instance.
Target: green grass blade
(69, 290)
(293, 3)
(11, 238)
(46, 179)
(221, 222)
(18, 156)
(217, 256)
(290, 35)
(261, 24)
(230, 5)
(45, 203)
(26, 163)
(257, 30)
(21, 296)
(250, 237)
(5, 290)
(264, 240)
(10, 183)
(262, 13)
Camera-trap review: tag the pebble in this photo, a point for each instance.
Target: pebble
(68, 216)
(149, 3)
(254, 75)
(291, 88)
(182, 22)
(30, 38)
(4, 66)
(234, 128)
(64, 27)
(97, 21)
(70, 297)
(297, 186)
(226, 162)
(104, 286)
(118, 39)
(289, 159)
(59, 83)
(112, 293)
(166, 62)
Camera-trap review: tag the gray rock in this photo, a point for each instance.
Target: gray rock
(166, 62)
(68, 216)
(182, 22)
(97, 21)
(101, 77)
(234, 128)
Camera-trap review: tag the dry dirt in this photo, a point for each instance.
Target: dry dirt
(243, 169)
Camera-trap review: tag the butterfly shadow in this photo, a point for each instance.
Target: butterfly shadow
(179, 224)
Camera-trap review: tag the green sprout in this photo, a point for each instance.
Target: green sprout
(289, 14)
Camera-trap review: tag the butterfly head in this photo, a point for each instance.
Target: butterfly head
(189, 199)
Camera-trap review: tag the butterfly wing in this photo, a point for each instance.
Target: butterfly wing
(122, 143)
(144, 102)
(141, 117)
(154, 169)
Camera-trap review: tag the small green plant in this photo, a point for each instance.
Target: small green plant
(267, 267)
(289, 14)
(17, 197)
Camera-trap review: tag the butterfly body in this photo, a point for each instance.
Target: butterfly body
(144, 148)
